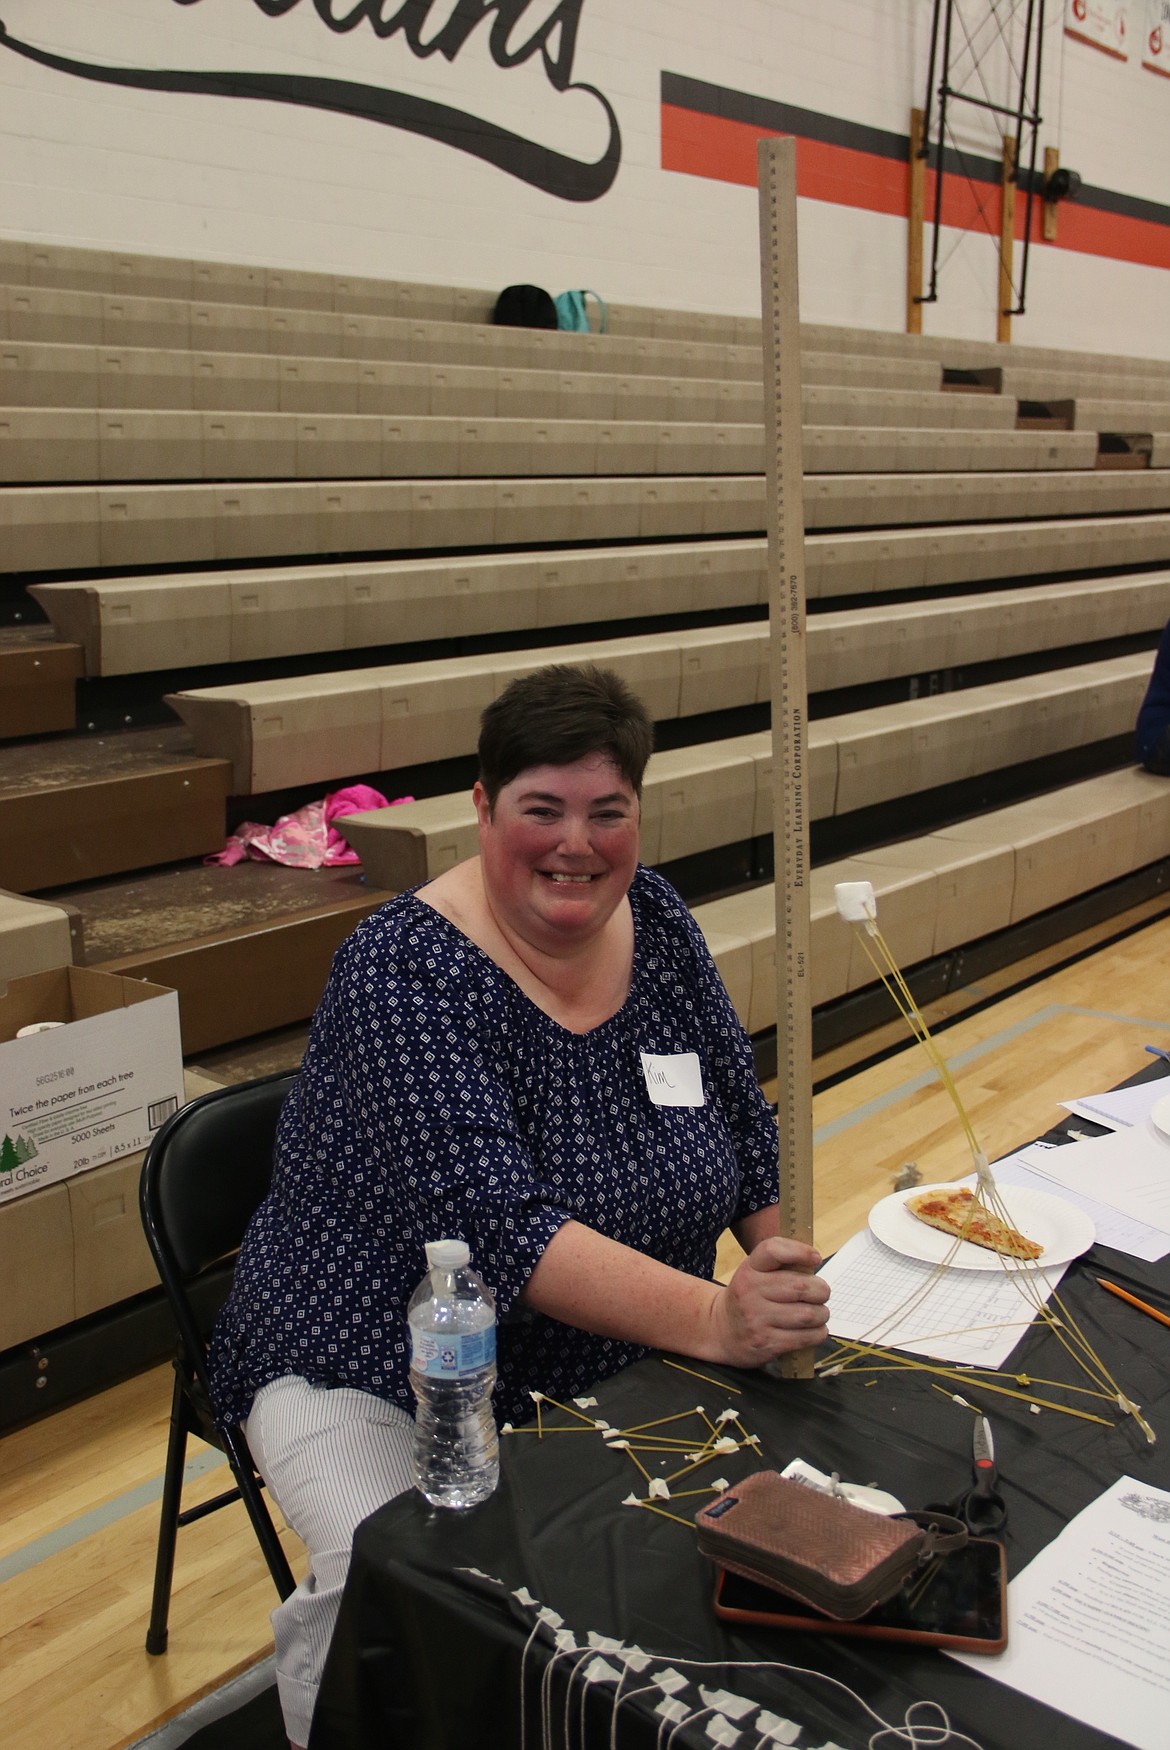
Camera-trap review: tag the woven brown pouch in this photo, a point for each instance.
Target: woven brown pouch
(817, 1547)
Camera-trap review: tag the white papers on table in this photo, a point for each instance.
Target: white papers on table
(1122, 1106)
(1089, 1619)
(1128, 1169)
(972, 1316)
(1029, 1168)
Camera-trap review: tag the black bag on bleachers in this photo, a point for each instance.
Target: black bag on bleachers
(525, 307)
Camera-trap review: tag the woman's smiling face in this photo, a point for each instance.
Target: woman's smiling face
(559, 850)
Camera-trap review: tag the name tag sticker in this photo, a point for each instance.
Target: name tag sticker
(673, 1081)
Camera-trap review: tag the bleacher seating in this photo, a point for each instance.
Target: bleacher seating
(319, 728)
(79, 528)
(131, 625)
(328, 519)
(43, 445)
(944, 889)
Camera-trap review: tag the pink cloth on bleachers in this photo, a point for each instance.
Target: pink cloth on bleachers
(307, 838)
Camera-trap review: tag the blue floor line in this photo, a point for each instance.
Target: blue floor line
(882, 1102)
(98, 1518)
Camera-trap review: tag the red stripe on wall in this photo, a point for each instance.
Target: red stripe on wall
(725, 151)
(1094, 42)
(1092, 232)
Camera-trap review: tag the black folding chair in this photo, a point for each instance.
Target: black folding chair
(205, 1173)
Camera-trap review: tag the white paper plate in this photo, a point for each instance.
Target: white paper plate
(1061, 1228)
(1160, 1117)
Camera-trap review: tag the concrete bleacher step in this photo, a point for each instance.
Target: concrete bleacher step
(131, 625)
(858, 646)
(1095, 413)
(1071, 382)
(25, 263)
(870, 500)
(47, 528)
(36, 936)
(76, 527)
(278, 734)
(910, 409)
(76, 808)
(48, 445)
(282, 733)
(178, 325)
(72, 268)
(713, 795)
(247, 948)
(57, 374)
(900, 750)
(44, 374)
(949, 351)
(86, 318)
(151, 625)
(61, 267)
(77, 269)
(850, 450)
(948, 888)
(865, 562)
(38, 677)
(83, 317)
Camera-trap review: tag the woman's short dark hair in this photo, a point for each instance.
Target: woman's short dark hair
(558, 715)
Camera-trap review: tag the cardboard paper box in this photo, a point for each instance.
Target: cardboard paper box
(36, 1265)
(91, 1090)
(109, 1259)
(73, 1249)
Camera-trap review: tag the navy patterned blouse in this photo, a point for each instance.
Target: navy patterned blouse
(436, 1100)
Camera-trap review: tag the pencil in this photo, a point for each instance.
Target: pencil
(1123, 1294)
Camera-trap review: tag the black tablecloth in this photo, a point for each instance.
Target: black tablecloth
(428, 1656)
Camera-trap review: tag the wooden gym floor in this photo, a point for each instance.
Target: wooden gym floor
(79, 1490)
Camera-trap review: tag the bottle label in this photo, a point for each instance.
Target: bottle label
(448, 1355)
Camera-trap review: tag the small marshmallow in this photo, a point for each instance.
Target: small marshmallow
(855, 901)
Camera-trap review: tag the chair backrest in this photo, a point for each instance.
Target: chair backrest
(206, 1171)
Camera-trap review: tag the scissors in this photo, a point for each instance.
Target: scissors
(982, 1508)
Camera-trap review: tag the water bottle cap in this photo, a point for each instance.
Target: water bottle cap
(447, 1254)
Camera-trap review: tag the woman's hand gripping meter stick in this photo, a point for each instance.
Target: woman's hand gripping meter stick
(774, 1304)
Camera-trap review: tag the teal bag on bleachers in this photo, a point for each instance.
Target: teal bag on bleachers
(572, 314)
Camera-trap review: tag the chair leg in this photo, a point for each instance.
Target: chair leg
(240, 1460)
(168, 1524)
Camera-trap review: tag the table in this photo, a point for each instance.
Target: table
(429, 1656)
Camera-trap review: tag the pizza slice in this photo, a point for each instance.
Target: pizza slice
(956, 1212)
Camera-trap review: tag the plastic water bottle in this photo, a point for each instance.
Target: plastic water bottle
(452, 1318)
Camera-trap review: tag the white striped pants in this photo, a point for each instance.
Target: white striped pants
(330, 1456)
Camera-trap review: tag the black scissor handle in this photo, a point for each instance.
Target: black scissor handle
(983, 1507)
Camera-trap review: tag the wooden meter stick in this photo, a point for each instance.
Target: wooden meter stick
(784, 449)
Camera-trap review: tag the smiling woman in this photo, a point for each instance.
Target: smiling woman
(533, 1053)
(562, 755)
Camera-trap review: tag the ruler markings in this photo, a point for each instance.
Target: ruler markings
(785, 477)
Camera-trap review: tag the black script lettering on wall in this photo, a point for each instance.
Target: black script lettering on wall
(426, 30)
